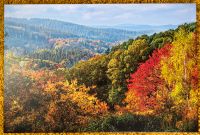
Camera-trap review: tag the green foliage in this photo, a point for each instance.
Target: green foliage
(62, 56)
(190, 126)
(92, 72)
(125, 122)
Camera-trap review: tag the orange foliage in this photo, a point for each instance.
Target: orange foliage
(73, 103)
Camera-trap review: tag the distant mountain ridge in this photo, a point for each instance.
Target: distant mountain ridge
(29, 30)
(73, 41)
(136, 27)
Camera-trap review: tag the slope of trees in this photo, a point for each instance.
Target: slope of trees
(168, 88)
(37, 31)
(145, 84)
(60, 56)
(39, 101)
(122, 60)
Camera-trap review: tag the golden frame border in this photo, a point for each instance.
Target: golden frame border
(3, 2)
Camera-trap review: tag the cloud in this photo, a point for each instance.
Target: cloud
(107, 14)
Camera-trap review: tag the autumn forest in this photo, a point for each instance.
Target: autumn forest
(71, 83)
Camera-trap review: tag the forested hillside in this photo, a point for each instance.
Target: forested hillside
(37, 32)
(147, 83)
(33, 36)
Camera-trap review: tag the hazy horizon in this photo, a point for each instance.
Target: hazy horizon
(107, 14)
(106, 25)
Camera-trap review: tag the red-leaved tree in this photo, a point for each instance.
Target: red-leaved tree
(147, 80)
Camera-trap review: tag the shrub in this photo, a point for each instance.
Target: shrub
(125, 122)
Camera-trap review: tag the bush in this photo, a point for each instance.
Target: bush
(125, 122)
(190, 126)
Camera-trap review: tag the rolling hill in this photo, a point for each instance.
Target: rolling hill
(36, 32)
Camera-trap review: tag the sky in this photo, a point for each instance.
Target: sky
(107, 14)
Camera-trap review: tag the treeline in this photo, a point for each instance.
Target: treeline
(62, 57)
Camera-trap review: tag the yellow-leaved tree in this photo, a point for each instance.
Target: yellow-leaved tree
(181, 75)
